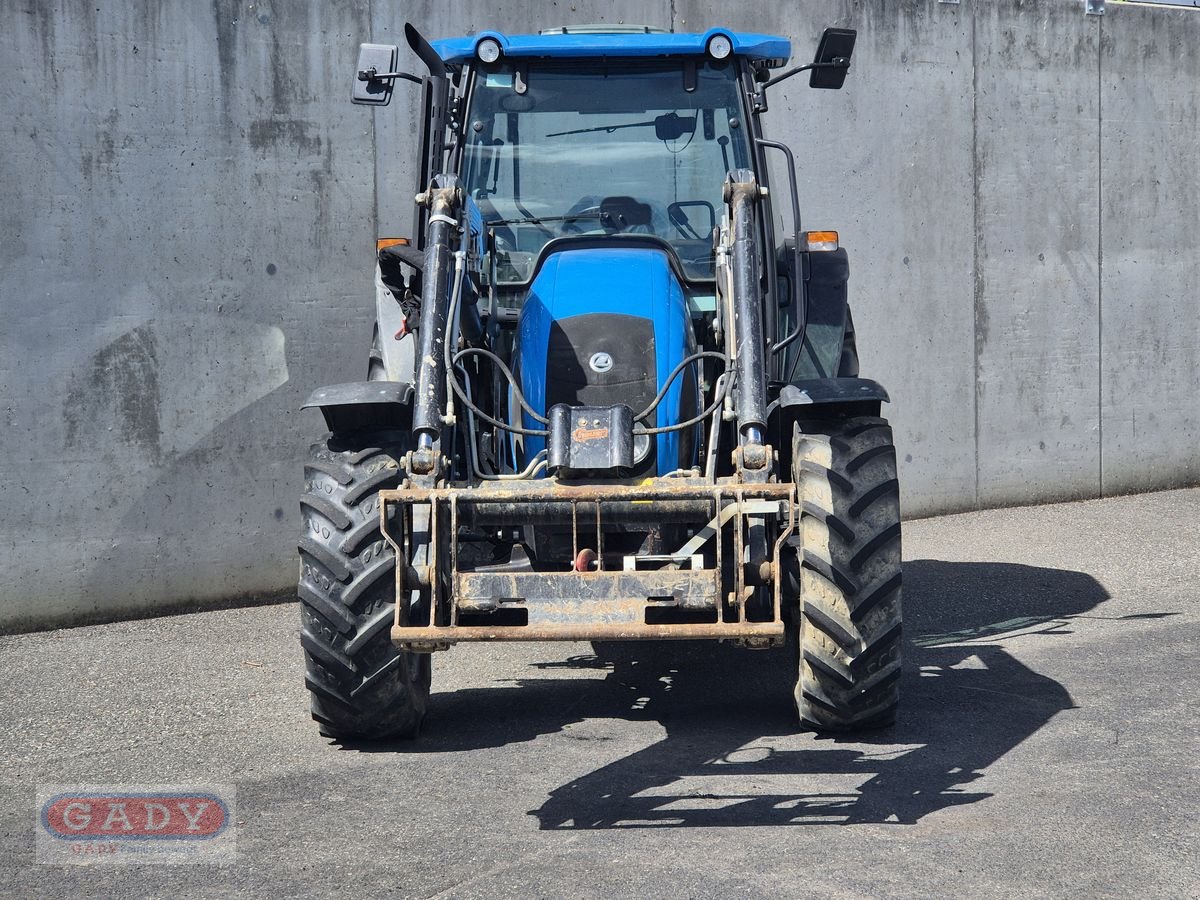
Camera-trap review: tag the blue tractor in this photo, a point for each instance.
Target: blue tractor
(610, 396)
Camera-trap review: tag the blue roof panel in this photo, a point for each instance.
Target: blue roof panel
(752, 46)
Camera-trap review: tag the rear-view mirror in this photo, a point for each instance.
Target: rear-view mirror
(832, 61)
(374, 60)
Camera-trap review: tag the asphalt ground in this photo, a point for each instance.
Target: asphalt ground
(1047, 746)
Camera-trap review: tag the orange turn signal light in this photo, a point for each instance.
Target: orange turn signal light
(820, 240)
(381, 243)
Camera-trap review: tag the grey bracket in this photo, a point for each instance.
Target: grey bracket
(1093, 7)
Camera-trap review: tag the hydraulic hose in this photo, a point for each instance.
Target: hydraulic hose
(469, 404)
(703, 354)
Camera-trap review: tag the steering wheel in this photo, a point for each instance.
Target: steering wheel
(586, 208)
(616, 214)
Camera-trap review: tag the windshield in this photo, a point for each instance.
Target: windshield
(591, 148)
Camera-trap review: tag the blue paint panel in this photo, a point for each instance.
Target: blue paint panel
(474, 236)
(750, 46)
(627, 281)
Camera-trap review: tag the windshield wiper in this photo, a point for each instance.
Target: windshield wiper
(608, 129)
(538, 220)
(667, 127)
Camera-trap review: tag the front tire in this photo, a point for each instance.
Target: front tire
(848, 621)
(361, 686)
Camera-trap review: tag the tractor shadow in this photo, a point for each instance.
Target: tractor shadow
(731, 755)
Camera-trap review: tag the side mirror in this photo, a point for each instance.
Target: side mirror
(833, 58)
(373, 77)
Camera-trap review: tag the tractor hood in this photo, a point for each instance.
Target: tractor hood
(605, 325)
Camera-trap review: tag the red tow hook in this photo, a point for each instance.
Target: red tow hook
(585, 559)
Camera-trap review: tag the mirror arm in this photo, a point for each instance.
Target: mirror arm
(841, 62)
(372, 75)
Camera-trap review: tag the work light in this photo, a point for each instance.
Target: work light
(488, 50)
(719, 46)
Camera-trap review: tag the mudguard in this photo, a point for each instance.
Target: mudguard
(818, 391)
(360, 405)
(820, 398)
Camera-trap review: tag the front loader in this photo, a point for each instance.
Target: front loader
(610, 396)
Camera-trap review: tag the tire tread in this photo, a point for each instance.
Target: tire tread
(360, 686)
(848, 615)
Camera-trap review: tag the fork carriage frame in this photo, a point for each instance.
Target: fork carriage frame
(631, 603)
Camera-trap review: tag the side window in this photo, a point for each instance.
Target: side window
(784, 228)
(489, 164)
(781, 197)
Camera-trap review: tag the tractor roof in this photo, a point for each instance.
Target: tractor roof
(592, 41)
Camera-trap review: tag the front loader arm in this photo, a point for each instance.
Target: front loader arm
(443, 199)
(738, 255)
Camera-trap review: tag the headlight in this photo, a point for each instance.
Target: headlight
(719, 46)
(488, 50)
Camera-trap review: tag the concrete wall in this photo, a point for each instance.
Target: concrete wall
(186, 214)
(188, 204)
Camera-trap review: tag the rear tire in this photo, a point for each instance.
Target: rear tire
(847, 623)
(361, 686)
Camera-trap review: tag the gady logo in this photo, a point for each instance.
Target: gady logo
(134, 816)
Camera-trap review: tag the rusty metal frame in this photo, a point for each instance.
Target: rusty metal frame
(591, 614)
